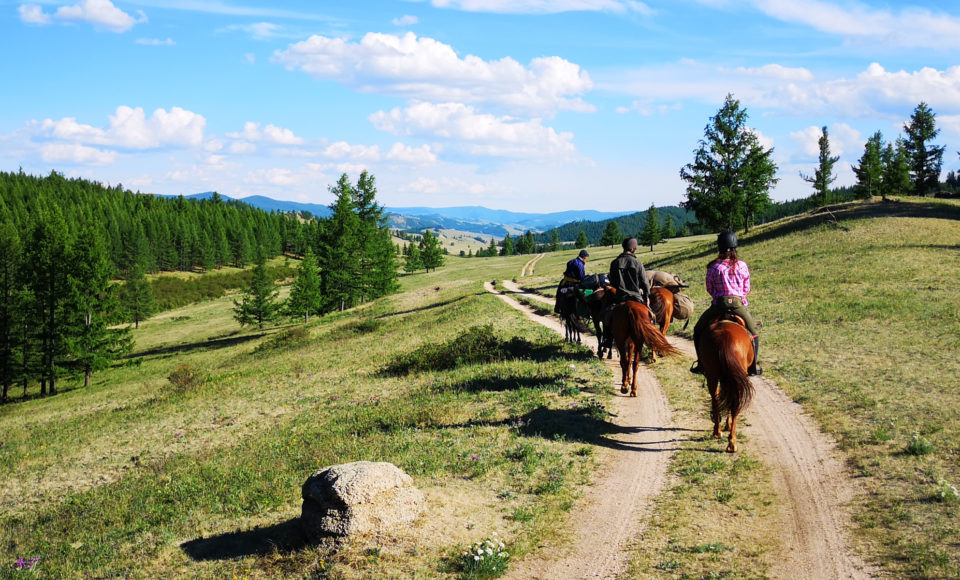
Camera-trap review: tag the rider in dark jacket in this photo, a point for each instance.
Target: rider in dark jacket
(571, 276)
(630, 279)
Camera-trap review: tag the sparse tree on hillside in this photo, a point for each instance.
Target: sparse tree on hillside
(431, 253)
(925, 159)
(870, 171)
(731, 175)
(582, 241)
(611, 236)
(823, 176)
(257, 304)
(137, 296)
(508, 249)
(650, 236)
(306, 296)
(554, 240)
(340, 252)
(896, 170)
(413, 261)
(669, 228)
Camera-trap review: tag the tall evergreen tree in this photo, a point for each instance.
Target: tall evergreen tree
(611, 235)
(669, 228)
(340, 266)
(137, 296)
(93, 342)
(414, 260)
(582, 241)
(378, 272)
(554, 240)
(508, 248)
(896, 170)
(258, 302)
(9, 305)
(870, 170)
(306, 297)
(431, 253)
(925, 159)
(823, 176)
(731, 175)
(650, 236)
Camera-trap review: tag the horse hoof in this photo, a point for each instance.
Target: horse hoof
(731, 448)
(623, 390)
(717, 435)
(633, 394)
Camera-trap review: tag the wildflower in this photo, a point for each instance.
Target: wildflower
(476, 558)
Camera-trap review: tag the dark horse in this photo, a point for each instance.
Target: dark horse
(725, 351)
(631, 328)
(567, 306)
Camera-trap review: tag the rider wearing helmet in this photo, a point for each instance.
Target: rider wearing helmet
(728, 283)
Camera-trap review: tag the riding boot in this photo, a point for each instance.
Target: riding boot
(755, 369)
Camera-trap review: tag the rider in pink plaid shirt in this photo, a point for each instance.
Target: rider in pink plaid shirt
(722, 282)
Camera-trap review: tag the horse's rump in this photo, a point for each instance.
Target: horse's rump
(730, 346)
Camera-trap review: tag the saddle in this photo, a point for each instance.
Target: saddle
(728, 317)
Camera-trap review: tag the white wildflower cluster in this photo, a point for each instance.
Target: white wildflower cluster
(489, 555)
(947, 491)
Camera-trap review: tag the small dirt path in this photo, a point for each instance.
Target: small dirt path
(528, 268)
(616, 507)
(807, 473)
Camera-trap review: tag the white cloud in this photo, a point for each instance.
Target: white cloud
(76, 153)
(101, 13)
(447, 185)
(405, 20)
(773, 71)
(270, 133)
(130, 128)
(842, 138)
(764, 141)
(422, 155)
(911, 27)
(242, 147)
(33, 14)
(213, 145)
(258, 30)
(343, 150)
(483, 134)
(544, 6)
(274, 176)
(647, 107)
(155, 42)
(426, 69)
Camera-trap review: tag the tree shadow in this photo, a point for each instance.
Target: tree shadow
(211, 344)
(581, 425)
(430, 306)
(501, 383)
(285, 537)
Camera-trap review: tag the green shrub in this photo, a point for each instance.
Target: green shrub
(919, 446)
(484, 560)
(289, 338)
(478, 344)
(186, 377)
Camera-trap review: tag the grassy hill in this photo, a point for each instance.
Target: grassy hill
(187, 460)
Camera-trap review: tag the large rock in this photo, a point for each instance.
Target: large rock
(357, 498)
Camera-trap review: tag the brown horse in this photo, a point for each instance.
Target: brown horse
(725, 351)
(632, 329)
(661, 302)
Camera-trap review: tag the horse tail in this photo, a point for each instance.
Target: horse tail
(736, 390)
(647, 333)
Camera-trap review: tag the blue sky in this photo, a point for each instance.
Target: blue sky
(526, 105)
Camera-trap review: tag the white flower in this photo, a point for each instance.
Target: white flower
(476, 558)
(489, 552)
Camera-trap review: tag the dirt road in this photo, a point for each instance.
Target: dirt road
(807, 473)
(528, 268)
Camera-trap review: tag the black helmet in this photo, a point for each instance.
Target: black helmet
(726, 241)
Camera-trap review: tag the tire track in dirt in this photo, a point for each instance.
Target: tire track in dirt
(614, 510)
(807, 472)
(527, 269)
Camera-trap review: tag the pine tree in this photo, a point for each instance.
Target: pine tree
(431, 253)
(823, 176)
(340, 253)
(93, 343)
(508, 248)
(582, 241)
(870, 170)
(925, 159)
(554, 240)
(611, 235)
(729, 180)
(414, 261)
(896, 170)
(9, 297)
(669, 228)
(137, 296)
(650, 236)
(257, 303)
(305, 295)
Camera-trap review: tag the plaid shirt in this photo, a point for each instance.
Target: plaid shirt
(722, 281)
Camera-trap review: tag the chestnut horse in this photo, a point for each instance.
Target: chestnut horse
(725, 351)
(661, 302)
(632, 329)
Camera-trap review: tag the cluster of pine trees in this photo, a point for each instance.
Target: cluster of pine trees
(426, 254)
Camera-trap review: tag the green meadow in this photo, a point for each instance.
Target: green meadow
(186, 459)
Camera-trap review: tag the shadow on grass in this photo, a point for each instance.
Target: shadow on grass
(212, 344)
(580, 425)
(500, 384)
(285, 538)
(430, 306)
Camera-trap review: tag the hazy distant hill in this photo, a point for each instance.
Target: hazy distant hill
(495, 222)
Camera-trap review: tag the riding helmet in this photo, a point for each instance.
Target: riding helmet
(726, 241)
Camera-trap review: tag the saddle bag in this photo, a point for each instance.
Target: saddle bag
(682, 306)
(594, 282)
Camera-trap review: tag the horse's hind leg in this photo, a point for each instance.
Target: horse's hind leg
(732, 445)
(712, 388)
(636, 365)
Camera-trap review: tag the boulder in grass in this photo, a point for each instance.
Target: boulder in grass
(358, 498)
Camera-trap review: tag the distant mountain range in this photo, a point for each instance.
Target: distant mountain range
(474, 219)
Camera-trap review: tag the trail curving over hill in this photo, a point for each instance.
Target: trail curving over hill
(807, 473)
(615, 508)
(528, 268)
